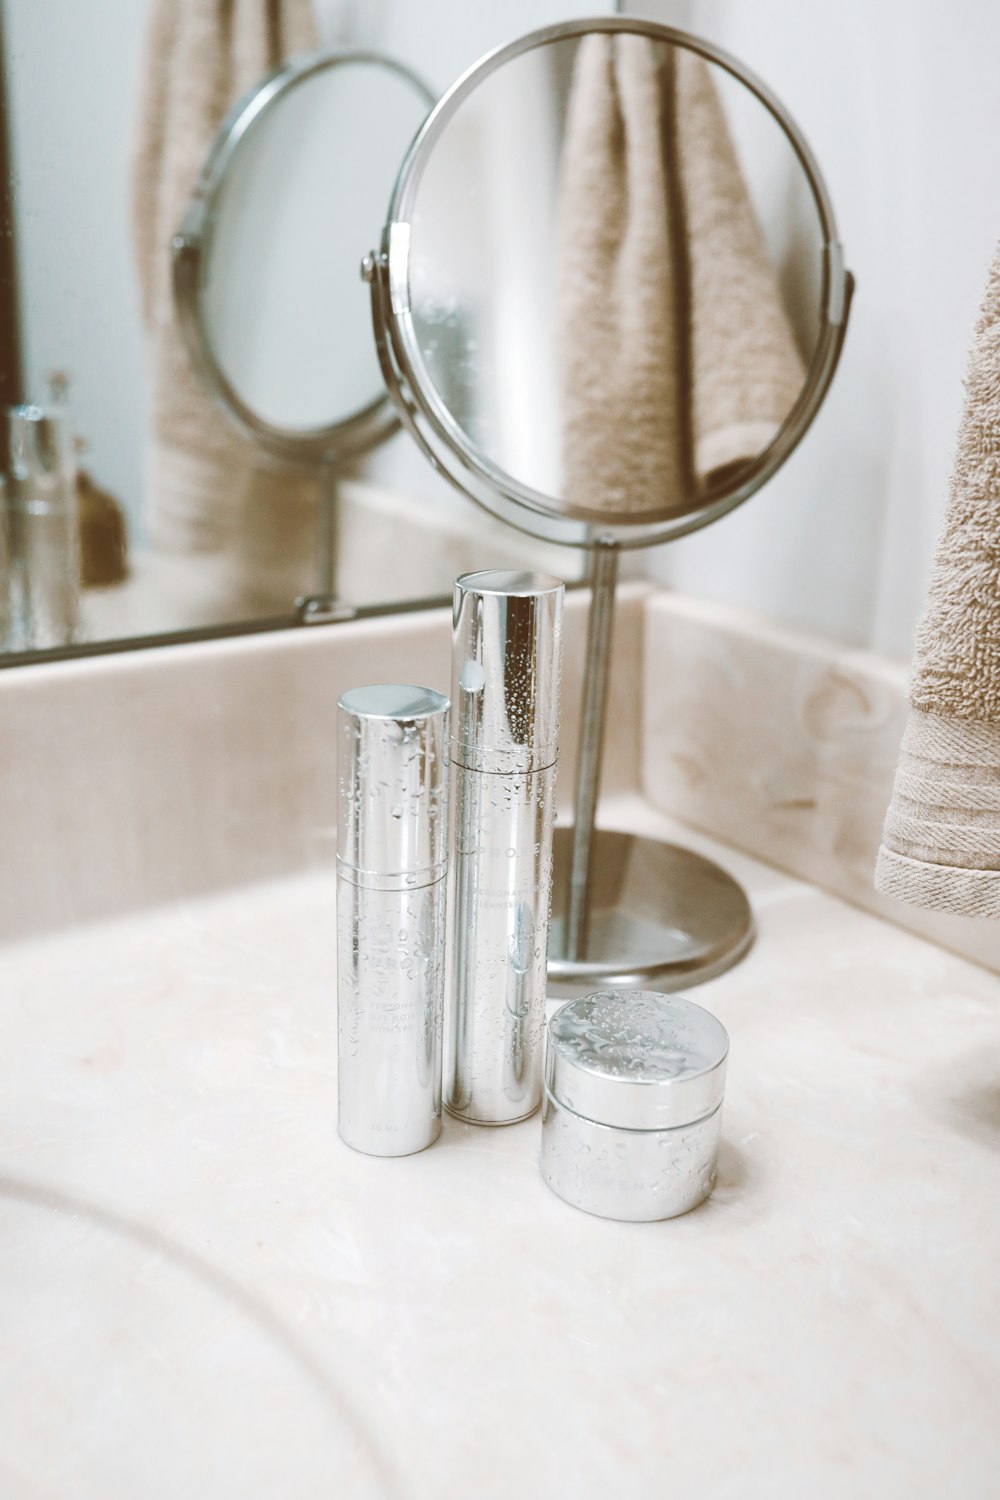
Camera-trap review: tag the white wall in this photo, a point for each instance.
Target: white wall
(899, 101)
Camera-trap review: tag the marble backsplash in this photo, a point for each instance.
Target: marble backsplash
(785, 746)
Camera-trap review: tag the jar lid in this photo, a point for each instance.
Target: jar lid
(636, 1060)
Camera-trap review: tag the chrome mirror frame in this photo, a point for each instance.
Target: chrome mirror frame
(427, 418)
(361, 430)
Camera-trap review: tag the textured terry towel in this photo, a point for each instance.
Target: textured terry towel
(202, 55)
(941, 842)
(679, 364)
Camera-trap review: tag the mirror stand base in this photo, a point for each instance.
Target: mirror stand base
(662, 918)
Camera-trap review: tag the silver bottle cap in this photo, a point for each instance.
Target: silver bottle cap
(392, 831)
(636, 1060)
(505, 685)
(39, 450)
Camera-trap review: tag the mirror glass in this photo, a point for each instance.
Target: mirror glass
(185, 523)
(282, 235)
(602, 296)
(615, 275)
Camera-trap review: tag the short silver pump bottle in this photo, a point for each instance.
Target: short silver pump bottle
(392, 861)
(504, 746)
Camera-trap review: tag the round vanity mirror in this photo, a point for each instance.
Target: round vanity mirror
(616, 291)
(608, 301)
(265, 263)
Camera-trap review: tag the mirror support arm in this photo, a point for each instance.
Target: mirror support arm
(593, 718)
(326, 532)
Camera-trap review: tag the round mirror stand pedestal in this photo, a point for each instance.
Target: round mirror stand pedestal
(631, 912)
(660, 917)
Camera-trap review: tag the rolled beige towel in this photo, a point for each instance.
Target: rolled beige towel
(941, 841)
(678, 361)
(201, 56)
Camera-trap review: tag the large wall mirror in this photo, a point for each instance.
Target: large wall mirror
(157, 449)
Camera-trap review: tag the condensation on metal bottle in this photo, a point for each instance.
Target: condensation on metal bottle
(504, 747)
(392, 860)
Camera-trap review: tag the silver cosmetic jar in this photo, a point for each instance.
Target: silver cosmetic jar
(633, 1104)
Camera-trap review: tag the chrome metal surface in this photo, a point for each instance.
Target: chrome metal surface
(392, 766)
(661, 917)
(638, 1176)
(593, 714)
(507, 646)
(322, 609)
(634, 1084)
(326, 533)
(506, 669)
(391, 906)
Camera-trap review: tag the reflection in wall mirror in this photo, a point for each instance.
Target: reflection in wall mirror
(625, 354)
(186, 524)
(266, 220)
(272, 226)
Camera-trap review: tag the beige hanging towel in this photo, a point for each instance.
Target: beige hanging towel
(941, 841)
(679, 363)
(202, 55)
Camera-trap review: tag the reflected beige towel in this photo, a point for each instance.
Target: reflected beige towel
(678, 360)
(941, 842)
(202, 55)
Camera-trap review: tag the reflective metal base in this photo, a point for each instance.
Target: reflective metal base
(662, 918)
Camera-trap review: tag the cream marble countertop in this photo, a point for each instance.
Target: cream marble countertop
(204, 1293)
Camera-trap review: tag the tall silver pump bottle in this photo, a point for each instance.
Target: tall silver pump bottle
(392, 861)
(504, 745)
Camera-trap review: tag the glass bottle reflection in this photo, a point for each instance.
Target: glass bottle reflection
(43, 529)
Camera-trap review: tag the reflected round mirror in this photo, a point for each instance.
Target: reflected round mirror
(265, 263)
(609, 301)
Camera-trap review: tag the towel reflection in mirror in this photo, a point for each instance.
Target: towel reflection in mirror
(678, 360)
(200, 58)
